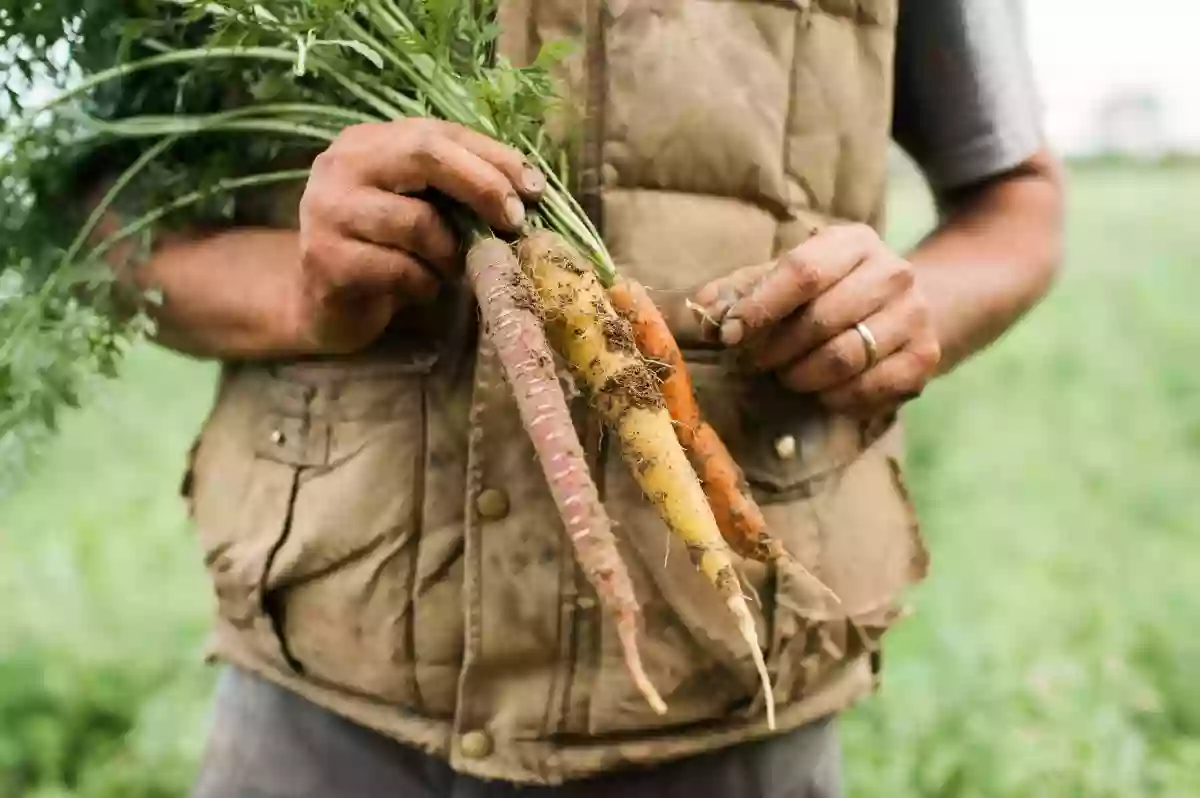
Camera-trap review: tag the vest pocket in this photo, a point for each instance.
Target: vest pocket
(308, 487)
(832, 492)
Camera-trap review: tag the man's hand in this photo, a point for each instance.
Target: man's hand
(798, 318)
(370, 243)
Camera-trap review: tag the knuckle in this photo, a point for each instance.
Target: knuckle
(841, 361)
(929, 354)
(429, 230)
(350, 141)
(421, 219)
(326, 162)
(803, 273)
(374, 219)
(423, 144)
(324, 195)
(919, 313)
(322, 263)
(902, 276)
(419, 125)
(417, 133)
(819, 324)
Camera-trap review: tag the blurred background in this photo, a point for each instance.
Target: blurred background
(1053, 652)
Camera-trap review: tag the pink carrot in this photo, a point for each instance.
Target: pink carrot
(512, 319)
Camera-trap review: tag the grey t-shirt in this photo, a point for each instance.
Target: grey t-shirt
(966, 105)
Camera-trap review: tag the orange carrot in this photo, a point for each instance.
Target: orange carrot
(738, 516)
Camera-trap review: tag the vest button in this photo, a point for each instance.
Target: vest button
(785, 447)
(476, 745)
(492, 504)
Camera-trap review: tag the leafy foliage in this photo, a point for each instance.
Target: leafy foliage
(179, 102)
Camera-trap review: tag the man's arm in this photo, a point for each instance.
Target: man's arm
(992, 257)
(967, 111)
(364, 249)
(843, 317)
(228, 295)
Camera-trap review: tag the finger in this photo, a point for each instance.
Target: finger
(365, 267)
(710, 304)
(525, 177)
(893, 381)
(846, 357)
(858, 295)
(800, 276)
(716, 297)
(408, 158)
(380, 217)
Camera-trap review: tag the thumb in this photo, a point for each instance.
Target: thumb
(712, 302)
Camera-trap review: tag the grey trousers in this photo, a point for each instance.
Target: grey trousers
(268, 743)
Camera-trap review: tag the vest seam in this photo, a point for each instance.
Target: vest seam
(785, 145)
(858, 17)
(767, 207)
(472, 562)
(591, 182)
(420, 478)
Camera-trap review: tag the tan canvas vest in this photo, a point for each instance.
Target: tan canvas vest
(378, 532)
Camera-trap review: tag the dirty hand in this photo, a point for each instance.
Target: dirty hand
(371, 242)
(798, 318)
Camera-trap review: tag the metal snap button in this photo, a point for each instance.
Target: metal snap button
(476, 745)
(492, 504)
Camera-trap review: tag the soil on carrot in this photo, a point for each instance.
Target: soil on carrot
(631, 387)
(523, 295)
(565, 261)
(618, 334)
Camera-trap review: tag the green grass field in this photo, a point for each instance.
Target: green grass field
(1053, 652)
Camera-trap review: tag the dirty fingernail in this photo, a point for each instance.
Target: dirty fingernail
(514, 211)
(732, 332)
(532, 179)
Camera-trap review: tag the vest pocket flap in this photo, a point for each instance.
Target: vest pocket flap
(320, 418)
(784, 442)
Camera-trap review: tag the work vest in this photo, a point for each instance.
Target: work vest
(380, 536)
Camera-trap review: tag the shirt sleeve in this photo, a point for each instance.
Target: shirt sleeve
(966, 104)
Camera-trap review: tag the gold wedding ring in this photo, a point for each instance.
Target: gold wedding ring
(869, 343)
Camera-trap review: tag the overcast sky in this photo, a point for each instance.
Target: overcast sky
(1084, 48)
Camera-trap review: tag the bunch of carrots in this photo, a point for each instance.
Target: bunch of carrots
(547, 300)
(553, 296)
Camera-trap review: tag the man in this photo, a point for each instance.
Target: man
(394, 596)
